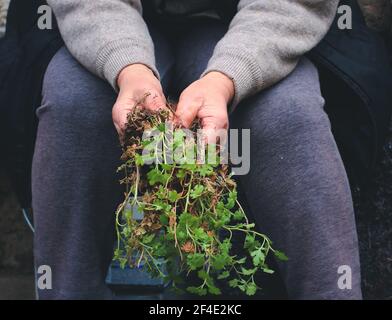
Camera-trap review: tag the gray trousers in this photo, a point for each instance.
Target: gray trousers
(297, 188)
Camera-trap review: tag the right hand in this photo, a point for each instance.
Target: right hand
(135, 81)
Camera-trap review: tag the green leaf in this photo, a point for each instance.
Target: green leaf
(164, 219)
(258, 257)
(230, 204)
(251, 289)
(231, 200)
(225, 246)
(173, 196)
(178, 139)
(242, 287)
(166, 167)
(139, 160)
(128, 214)
(281, 255)
(205, 170)
(181, 236)
(238, 215)
(126, 231)
(203, 275)
(161, 193)
(201, 235)
(161, 205)
(224, 275)
(189, 166)
(233, 195)
(148, 238)
(248, 272)
(148, 158)
(249, 241)
(161, 127)
(181, 174)
(241, 261)
(197, 290)
(123, 262)
(214, 290)
(197, 191)
(234, 283)
(219, 261)
(147, 142)
(154, 176)
(117, 254)
(195, 261)
(189, 220)
(269, 271)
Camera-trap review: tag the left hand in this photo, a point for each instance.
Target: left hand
(207, 99)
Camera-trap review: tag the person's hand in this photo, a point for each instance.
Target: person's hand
(207, 99)
(137, 84)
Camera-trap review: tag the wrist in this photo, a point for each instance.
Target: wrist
(223, 83)
(129, 73)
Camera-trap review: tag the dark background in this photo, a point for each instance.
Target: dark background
(373, 208)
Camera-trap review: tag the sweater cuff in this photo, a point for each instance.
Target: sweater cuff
(241, 68)
(117, 55)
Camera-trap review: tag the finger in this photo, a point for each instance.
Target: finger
(210, 135)
(120, 118)
(187, 110)
(154, 101)
(118, 129)
(214, 130)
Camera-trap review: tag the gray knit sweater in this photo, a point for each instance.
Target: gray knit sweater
(262, 46)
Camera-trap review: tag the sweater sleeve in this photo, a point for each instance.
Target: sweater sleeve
(265, 40)
(105, 36)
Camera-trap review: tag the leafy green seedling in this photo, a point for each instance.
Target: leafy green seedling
(191, 212)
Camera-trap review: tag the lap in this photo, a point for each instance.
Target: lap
(194, 48)
(81, 97)
(71, 91)
(294, 101)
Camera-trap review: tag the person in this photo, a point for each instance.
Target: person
(248, 67)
